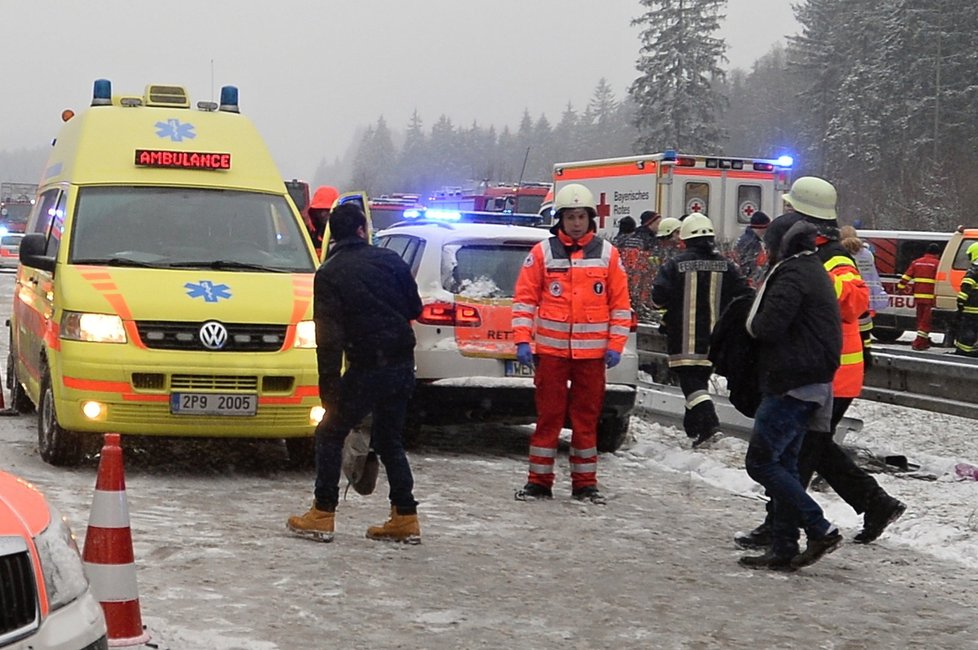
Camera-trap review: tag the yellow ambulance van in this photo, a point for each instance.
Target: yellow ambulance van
(165, 283)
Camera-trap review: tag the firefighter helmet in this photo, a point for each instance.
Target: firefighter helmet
(696, 225)
(668, 226)
(814, 197)
(973, 252)
(324, 198)
(575, 195)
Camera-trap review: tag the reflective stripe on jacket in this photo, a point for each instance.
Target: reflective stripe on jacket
(853, 297)
(572, 298)
(921, 272)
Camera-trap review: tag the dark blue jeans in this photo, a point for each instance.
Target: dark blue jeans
(772, 461)
(384, 392)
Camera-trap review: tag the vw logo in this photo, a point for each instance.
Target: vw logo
(213, 335)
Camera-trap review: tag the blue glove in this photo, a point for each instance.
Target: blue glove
(523, 354)
(611, 358)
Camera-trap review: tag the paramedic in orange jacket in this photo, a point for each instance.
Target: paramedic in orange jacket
(922, 272)
(571, 298)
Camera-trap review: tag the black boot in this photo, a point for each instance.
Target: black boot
(769, 561)
(757, 539)
(879, 514)
(817, 547)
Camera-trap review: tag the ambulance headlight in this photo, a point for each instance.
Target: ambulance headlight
(305, 334)
(96, 328)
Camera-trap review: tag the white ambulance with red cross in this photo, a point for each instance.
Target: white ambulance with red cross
(728, 189)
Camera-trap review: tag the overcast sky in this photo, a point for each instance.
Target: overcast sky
(309, 72)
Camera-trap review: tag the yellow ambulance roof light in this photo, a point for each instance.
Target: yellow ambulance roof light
(166, 95)
(229, 99)
(102, 93)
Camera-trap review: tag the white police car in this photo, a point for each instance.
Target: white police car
(466, 356)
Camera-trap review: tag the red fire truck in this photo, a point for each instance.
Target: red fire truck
(515, 198)
(16, 202)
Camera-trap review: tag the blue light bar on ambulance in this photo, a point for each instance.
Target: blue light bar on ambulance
(229, 99)
(413, 213)
(102, 93)
(785, 161)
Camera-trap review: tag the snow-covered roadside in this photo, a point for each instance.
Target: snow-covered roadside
(942, 514)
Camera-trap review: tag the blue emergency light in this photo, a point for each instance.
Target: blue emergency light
(229, 99)
(102, 93)
(443, 215)
(785, 161)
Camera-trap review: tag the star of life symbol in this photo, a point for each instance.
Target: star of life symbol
(555, 289)
(176, 130)
(207, 290)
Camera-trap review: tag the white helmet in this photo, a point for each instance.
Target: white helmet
(696, 225)
(814, 197)
(575, 195)
(668, 226)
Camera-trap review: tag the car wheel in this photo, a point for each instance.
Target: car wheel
(19, 401)
(302, 452)
(56, 445)
(886, 335)
(612, 432)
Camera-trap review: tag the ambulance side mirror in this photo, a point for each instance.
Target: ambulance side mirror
(32, 249)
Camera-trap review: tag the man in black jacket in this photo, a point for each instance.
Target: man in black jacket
(795, 320)
(364, 299)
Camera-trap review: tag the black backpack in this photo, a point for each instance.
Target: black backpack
(733, 354)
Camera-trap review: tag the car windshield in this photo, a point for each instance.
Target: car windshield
(183, 228)
(482, 270)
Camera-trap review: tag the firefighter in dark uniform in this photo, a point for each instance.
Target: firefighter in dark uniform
(693, 288)
(966, 332)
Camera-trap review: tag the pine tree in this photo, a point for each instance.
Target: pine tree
(677, 101)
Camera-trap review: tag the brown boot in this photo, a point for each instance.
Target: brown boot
(399, 528)
(315, 524)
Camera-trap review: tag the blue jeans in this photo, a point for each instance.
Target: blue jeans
(385, 392)
(772, 461)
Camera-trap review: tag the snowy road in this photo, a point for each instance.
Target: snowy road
(655, 568)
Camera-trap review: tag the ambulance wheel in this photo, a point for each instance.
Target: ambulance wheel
(302, 452)
(886, 335)
(612, 432)
(56, 445)
(19, 401)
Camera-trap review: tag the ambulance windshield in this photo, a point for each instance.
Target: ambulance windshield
(181, 227)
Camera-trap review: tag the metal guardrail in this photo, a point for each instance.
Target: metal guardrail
(935, 380)
(666, 405)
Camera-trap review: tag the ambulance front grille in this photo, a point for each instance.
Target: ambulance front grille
(18, 597)
(225, 383)
(242, 337)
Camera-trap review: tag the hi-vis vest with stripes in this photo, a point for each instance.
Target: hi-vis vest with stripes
(573, 305)
(922, 271)
(853, 296)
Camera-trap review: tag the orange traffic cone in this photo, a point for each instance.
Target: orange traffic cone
(108, 555)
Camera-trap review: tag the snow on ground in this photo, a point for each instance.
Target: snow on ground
(655, 567)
